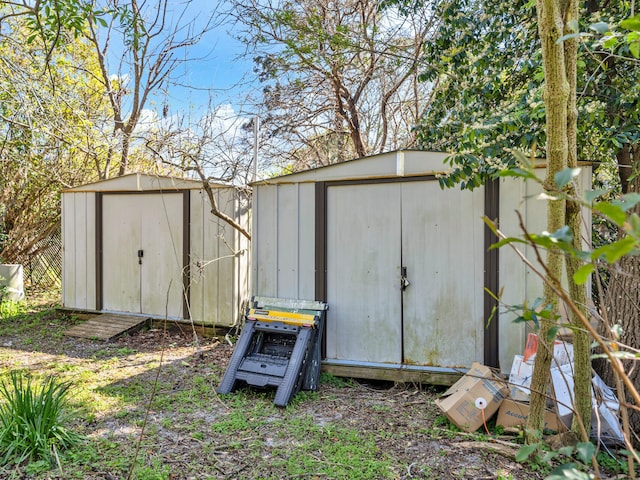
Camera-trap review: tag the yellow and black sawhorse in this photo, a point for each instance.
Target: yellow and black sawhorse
(279, 346)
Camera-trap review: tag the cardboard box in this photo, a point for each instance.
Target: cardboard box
(514, 414)
(605, 424)
(480, 389)
(520, 379)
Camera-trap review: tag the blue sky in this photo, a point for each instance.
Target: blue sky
(216, 65)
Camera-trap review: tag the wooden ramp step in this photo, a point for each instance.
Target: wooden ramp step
(107, 326)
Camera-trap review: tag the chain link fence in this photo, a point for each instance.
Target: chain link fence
(43, 268)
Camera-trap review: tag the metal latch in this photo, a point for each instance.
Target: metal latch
(404, 283)
(140, 255)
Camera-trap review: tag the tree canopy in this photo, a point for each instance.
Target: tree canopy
(488, 97)
(49, 113)
(339, 78)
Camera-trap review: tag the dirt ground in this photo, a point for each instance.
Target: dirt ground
(402, 419)
(355, 406)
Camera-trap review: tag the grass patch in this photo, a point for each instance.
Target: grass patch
(10, 309)
(334, 381)
(106, 452)
(110, 352)
(332, 451)
(29, 315)
(613, 462)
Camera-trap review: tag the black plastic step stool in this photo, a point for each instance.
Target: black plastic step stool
(279, 347)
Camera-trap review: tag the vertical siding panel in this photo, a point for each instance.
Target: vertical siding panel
(68, 251)
(196, 256)
(244, 264)
(306, 241)
(80, 250)
(210, 266)
(90, 257)
(218, 249)
(227, 246)
(265, 241)
(585, 181)
(513, 274)
(241, 214)
(287, 241)
(535, 216)
(255, 254)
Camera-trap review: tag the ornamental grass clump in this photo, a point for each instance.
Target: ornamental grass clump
(31, 417)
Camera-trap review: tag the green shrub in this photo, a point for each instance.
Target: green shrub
(31, 417)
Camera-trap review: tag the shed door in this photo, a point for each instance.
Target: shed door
(374, 231)
(142, 243)
(442, 247)
(363, 271)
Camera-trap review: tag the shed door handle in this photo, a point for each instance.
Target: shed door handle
(404, 282)
(140, 255)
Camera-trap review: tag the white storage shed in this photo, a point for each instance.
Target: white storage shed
(402, 264)
(148, 245)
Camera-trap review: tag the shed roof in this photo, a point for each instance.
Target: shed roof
(395, 164)
(400, 163)
(140, 182)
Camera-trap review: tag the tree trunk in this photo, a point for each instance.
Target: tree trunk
(622, 299)
(124, 154)
(578, 293)
(581, 339)
(556, 94)
(625, 167)
(622, 303)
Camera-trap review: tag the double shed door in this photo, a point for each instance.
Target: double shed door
(142, 253)
(381, 236)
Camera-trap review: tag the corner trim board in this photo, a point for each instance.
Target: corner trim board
(98, 259)
(491, 276)
(186, 249)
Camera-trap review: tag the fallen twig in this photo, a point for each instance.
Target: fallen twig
(501, 448)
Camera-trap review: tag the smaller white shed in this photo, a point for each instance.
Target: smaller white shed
(402, 264)
(149, 245)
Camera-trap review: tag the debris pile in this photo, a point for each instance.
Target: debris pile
(481, 393)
